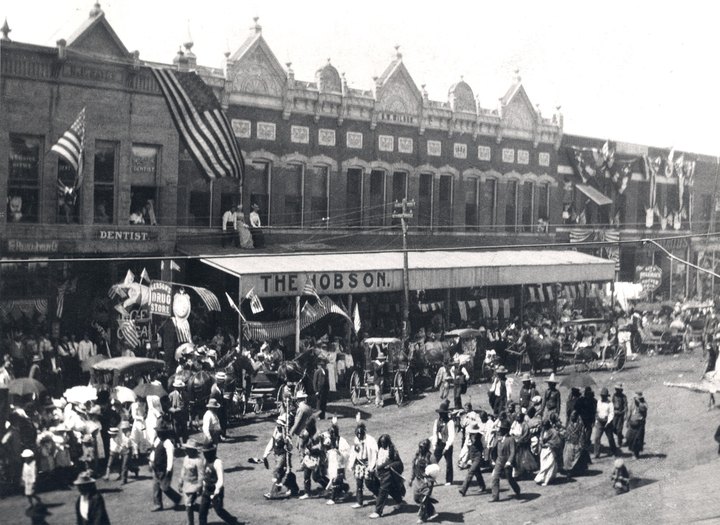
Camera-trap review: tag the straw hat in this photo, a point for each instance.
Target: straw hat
(193, 444)
(113, 431)
(213, 403)
(221, 376)
(526, 377)
(501, 370)
(178, 383)
(27, 453)
(551, 379)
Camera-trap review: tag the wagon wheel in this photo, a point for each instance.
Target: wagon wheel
(439, 377)
(409, 382)
(355, 388)
(399, 388)
(620, 357)
(259, 404)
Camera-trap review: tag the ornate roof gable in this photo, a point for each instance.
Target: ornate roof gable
(517, 110)
(396, 90)
(96, 36)
(255, 69)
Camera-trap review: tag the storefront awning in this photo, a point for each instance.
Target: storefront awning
(342, 273)
(594, 195)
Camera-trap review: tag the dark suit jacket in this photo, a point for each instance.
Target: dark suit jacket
(320, 381)
(97, 515)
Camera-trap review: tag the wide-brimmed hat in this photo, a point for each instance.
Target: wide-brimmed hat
(619, 386)
(221, 376)
(638, 393)
(255, 206)
(37, 358)
(432, 470)
(193, 444)
(84, 478)
(178, 383)
(381, 357)
(301, 394)
(501, 370)
(551, 379)
(444, 407)
(27, 453)
(213, 403)
(526, 377)
(604, 392)
(113, 430)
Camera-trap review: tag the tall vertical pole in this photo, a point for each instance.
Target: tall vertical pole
(240, 319)
(297, 324)
(405, 214)
(210, 215)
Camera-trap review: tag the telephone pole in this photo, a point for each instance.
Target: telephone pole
(405, 213)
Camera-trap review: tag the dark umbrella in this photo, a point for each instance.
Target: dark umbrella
(149, 389)
(25, 386)
(577, 380)
(90, 361)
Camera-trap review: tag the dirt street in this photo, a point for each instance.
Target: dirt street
(679, 437)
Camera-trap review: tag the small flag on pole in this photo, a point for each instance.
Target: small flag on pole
(144, 275)
(129, 278)
(174, 266)
(356, 319)
(234, 306)
(255, 304)
(309, 289)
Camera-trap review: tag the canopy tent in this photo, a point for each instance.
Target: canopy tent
(340, 273)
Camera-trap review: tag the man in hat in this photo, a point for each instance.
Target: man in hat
(475, 456)
(620, 406)
(363, 458)
(191, 476)
(603, 423)
(213, 488)
(255, 226)
(304, 417)
(586, 407)
(527, 392)
(121, 447)
(505, 458)
(217, 392)
(90, 505)
(279, 445)
(551, 399)
(161, 459)
(211, 422)
(379, 367)
(637, 417)
(178, 410)
(321, 386)
(498, 391)
(442, 439)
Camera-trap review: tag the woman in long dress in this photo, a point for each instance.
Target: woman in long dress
(138, 411)
(637, 416)
(246, 241)
(154, 415)
(550, 446)
(575, 456)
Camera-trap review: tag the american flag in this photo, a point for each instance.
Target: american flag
(208, 298)
(309, 289)
(129, 332)
(255, 304)
(201, 123)
(71, 147)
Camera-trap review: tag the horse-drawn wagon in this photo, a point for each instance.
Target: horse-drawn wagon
(592, 344)
(398, 372)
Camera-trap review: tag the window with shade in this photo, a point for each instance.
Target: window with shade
(423, 210)
(544, 202)
(292, 183)
(23, 186)
(489, 201)
(256, 190)
(472, 203)
(353, 197)
(105, 168)
(511, 202)
(316, 188)
(144, 188)
(376, 211)
(528, 204)
(445, 201)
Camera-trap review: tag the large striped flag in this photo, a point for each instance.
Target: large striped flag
(255, 304)
(201, 123)
(71, 147)
(309, 289)
(208, 298)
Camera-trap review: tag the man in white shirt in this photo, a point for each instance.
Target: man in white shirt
(86, 348)
(229, 227)
(442, 439)
(211, 422)
(161, 463)
(603, 423)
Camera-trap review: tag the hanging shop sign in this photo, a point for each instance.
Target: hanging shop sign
(285, 284)
(649, 277)
(127, 235)
(160, 299)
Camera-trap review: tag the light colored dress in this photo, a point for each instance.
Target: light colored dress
(246, 241)
(154, 416)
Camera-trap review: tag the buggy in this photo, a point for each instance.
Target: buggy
(399, 369)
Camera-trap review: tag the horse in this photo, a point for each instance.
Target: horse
(298, 370)
(541, 351)
(198, 390)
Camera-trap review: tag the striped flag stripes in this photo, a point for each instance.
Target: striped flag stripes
(71, 144)
(201, 123)
(255, 304)
(208, 298)
(309, 289)
(129, 332)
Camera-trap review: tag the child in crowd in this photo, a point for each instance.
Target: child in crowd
(423, 493)
(620, 477)
(29, 477)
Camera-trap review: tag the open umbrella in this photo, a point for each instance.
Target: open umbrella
(80, 394)
(124, 394)
(577, 380)
(90, 361)
(149, 389)
(25, 386)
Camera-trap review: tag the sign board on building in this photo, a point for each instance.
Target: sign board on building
(649, 277)
(285, 284)
(29, 246)
(126, 235)
(160, 298)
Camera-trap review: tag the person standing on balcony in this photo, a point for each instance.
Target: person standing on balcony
(246, 240)
(229, 227)
(255, 225)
